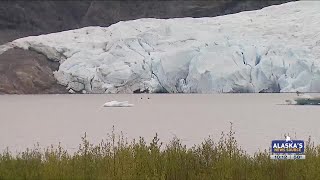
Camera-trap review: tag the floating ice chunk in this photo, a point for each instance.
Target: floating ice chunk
(307, 99)
(117, 104)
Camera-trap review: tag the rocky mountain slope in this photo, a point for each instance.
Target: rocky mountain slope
(24, 18)
(27, 72)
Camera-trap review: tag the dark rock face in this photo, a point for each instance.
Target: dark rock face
(28, 72)
(23, 18)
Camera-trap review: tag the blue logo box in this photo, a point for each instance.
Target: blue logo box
(291, 146)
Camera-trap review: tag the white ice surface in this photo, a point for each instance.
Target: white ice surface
(276, 49)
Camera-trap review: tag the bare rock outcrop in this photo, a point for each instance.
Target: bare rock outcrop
(27, 72)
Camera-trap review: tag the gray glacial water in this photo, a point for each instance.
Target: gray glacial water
(50, 119)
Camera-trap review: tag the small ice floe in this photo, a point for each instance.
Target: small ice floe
(117, 104)
(307, 100)
(304, 99)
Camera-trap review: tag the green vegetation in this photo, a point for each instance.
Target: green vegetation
(116, 158)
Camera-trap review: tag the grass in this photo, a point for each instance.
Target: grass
(116, 158)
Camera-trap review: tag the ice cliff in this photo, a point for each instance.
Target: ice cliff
(276, 49)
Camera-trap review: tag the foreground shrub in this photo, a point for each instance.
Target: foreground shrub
(116, 158)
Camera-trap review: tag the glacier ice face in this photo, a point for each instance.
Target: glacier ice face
(276, 49)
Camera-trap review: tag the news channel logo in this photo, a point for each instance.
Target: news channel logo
(287, 149)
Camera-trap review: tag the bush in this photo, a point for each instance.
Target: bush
(116, 158)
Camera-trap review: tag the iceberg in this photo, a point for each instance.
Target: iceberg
(117, 104)
(303, 99)
(275, 49)
(307, 100)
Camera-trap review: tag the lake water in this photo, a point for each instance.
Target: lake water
(257, 118)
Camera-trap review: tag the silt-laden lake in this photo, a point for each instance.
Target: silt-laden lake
(257, 119)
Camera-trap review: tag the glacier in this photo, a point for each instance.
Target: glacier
(275, 49)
